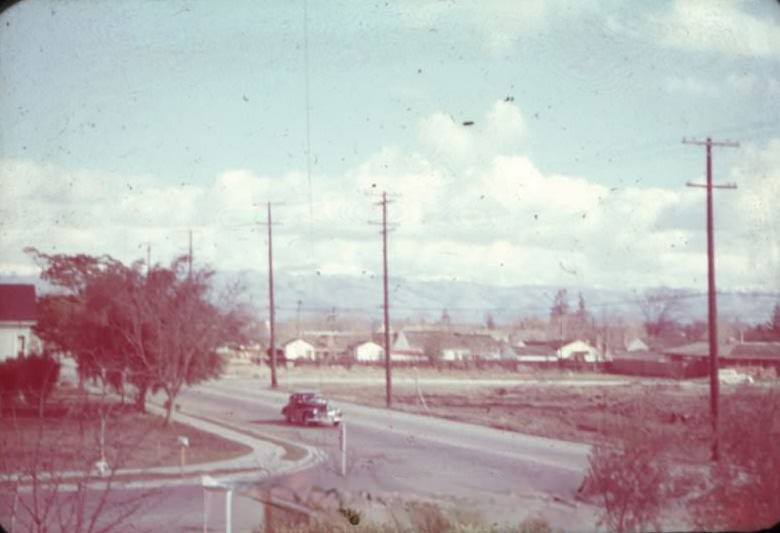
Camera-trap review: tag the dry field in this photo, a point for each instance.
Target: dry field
(580, 407)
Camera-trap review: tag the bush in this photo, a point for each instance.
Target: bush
(9, 383)
(37, 376)
(744, 492)
(629, 478)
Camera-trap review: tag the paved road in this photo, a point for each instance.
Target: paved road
(505, 475)
(394, 452)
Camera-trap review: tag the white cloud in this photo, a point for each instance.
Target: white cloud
(491, 216)
(690, 85)
(749, 84)
(723, 26)
(501, 129)
(498, 22)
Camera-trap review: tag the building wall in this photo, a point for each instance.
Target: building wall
(591, 354)
(298, 349)
(10, 343)
(369, 351)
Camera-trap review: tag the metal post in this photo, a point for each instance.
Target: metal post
(228, 514)
(343, 448)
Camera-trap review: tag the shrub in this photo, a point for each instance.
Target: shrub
(37, 376)
(744, 492)
(628, 478)
(9, 383)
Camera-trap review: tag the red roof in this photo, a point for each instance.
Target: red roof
(17, 302)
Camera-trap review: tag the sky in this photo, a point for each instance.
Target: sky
(520, 143)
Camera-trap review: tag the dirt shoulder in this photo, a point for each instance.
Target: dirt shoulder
(589, 414)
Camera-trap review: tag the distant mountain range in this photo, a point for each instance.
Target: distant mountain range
(471, 302)
(347, 296)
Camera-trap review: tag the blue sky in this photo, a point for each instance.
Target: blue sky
(127, 122)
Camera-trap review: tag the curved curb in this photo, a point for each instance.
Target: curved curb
(312, 457)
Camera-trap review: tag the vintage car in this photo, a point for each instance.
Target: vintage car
(310, 408)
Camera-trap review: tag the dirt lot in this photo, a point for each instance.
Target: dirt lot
(68, 438)
(589, 414)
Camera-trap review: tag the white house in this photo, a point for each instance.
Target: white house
(637, 345)
(298, 349)
(17, 318)
(579, 351)
(368, 352)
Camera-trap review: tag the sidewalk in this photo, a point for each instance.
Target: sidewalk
(263, 462)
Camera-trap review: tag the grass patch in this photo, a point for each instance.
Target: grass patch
(291, 451)
(68, 437)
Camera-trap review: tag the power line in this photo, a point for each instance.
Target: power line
(712, 309)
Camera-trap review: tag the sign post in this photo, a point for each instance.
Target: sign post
(343, 448)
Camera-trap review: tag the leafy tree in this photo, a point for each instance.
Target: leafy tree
(158, 330)
(560, 305)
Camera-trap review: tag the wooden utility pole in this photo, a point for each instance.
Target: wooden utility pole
(271, 308)
(712, 308)
(388, 374)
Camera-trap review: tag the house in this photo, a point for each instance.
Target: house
(765, 354)
(368, 352)
(17, 318)
(579, 351)
(298, 349)
(450, 346)
(636, 345)
(536, 354)
(559, 351)
(419, 346)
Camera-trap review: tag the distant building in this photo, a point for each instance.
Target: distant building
(764, 354)
(298, 349)
(560, 351)
(449, 346)
(17, 318)
(637, 345)
(368, 352)
(579, 351)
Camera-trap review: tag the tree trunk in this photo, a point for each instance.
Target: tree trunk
(172, 394)
(140, 399)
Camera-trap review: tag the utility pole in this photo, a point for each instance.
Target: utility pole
(388, 376)
(712, 311)
(271, 312)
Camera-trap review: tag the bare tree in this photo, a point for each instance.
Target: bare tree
(661, 308)
(59, 472)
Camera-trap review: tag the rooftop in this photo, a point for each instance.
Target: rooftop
(17, 302)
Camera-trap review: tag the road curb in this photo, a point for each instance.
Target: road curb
(192, 475)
